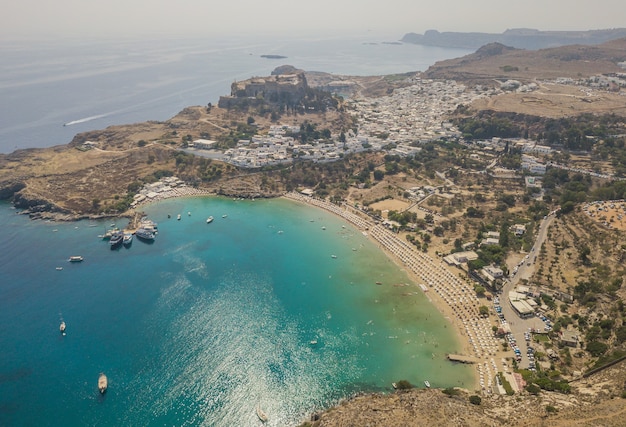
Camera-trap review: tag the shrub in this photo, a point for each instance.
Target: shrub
(404, 385)
(551, 409)
(451, 391)
(475, 400)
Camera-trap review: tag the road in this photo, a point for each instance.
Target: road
(517, 324)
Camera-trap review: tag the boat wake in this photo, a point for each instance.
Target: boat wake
(86, 119)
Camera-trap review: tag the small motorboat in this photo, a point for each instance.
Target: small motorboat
(262, 415)
(427, 383)
(209, 220)
(62, 328)
(178, 217)
(75, 258)
(103, 383)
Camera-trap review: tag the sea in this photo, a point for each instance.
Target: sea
(274, 305)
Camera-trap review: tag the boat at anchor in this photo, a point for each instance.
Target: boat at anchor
(103, 383)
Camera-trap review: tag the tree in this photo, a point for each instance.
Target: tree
(583, 254)
(597, 348)
(483, 310)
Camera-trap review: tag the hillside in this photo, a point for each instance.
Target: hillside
(498, 61)
(523, 38)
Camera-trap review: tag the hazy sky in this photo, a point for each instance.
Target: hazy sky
(110, 18)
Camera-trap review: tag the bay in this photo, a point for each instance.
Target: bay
(210, 320)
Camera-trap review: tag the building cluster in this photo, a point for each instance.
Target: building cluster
(414, 114)
(612, 82)
(158, 190)
(279, 147)
(398, 122)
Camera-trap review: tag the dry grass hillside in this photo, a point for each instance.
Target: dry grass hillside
(594, 402)
(502, 62)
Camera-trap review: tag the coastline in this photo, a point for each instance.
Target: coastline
(452, 297)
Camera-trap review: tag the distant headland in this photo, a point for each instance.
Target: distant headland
(521, 38)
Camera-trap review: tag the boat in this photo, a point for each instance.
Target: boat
(108, 233)
(62, 328)
(426, 383)
(224, 216)
(209, 220)
(178, 217)
(188, 213)
(394, 385)
(333, 256)
(262, 415)
(116, 239)
(145, 234)
(128, 239)
(59, 268)
(313, 342)
(103, 383)
(147, 223)
(75, 258)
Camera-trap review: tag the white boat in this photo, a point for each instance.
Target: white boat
(209, 220)
(75, 258)
(333, 256)
(188, 213)
(262, 415)
(128, 239)
(103, 383)
(59, 268)
(178, 217)
(62, 328)
(313, 342)
(224, 216)
(426, 383)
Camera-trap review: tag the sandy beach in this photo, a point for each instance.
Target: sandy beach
(453, 297)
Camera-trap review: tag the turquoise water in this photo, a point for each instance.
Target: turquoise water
(209, 321)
